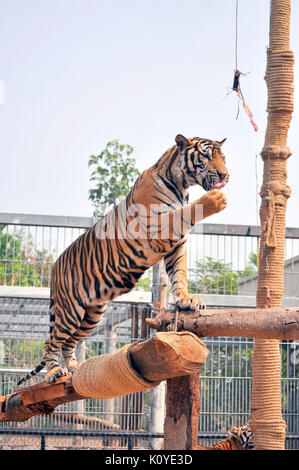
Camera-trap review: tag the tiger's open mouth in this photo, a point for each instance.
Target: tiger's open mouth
(210, 181)
(219, 184)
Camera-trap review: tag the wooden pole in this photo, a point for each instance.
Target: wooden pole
(266, 418)
(182, 404)
(182, 413)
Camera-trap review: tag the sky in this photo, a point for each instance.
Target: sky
(75, 74)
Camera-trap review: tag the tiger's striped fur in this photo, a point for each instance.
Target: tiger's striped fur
(240, 439)
(108, 259)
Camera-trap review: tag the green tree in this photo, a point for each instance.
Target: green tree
(213, 277)
(114, 172)
(251, 266)
(21, 264)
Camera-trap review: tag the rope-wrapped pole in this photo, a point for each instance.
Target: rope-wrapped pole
(266, 417)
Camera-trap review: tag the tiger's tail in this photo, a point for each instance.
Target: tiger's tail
(35, 371)
(42, 364)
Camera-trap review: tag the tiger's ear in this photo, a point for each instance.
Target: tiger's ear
(181, 141)
(220, 143)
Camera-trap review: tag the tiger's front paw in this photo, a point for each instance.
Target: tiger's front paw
(190, 302)
(212, 202)
(55, 373)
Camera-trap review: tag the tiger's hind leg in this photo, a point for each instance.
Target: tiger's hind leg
(54, 369)
(91, 318)
(62, 326)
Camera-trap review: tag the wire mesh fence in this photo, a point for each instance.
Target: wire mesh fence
(221, 261)
(225, 379)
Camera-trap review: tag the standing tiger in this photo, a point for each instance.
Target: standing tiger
(149, 225)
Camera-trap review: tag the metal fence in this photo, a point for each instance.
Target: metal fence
(221, 264)
(222, 259)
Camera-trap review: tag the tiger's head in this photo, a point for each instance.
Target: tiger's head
(202, 162)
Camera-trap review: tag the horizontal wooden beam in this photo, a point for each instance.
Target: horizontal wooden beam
(277, 323)
(38, 399)
(158, 358)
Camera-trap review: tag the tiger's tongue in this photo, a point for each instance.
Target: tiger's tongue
(219, 185)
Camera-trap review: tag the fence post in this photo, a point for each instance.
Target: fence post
(108, 405)
(42, 442)
(110, 346)
(157, 394)
(79, 407)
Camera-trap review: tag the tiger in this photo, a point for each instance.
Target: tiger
(239, 439)
(108, 259)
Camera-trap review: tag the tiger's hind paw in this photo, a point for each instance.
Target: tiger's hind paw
(55, 373)
(72, 365)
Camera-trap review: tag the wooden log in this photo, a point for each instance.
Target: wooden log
(38, 399)
(277, 323)
(183, 393)
(165, 351)
(182, 413)
(182, 401)
(165, 356)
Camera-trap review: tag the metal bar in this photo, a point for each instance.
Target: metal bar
(15, 370)
(127, 434)
(83, 433)
(42, 442)
(87, 222)
(46, 220)
(130, 443)
(237, 230)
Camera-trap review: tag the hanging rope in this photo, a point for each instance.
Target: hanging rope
(237, 74)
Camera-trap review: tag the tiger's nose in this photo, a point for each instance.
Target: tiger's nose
(222, 175)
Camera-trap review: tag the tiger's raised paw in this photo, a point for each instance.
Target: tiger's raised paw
(55, 373)
(212, 202)
(190, 302)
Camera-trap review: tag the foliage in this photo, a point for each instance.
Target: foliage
(253, 260)
(145, 282)
(114, 172)
(251, 267)
(20, 353)
(20, 262)
(213, 276)
(209, 277)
